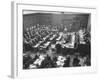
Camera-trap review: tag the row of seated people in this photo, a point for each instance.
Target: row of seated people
(50, 27)
(46, 61)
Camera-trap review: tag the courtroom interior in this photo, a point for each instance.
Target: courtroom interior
(56, 39)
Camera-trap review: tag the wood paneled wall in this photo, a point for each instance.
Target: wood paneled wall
(72, 21)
